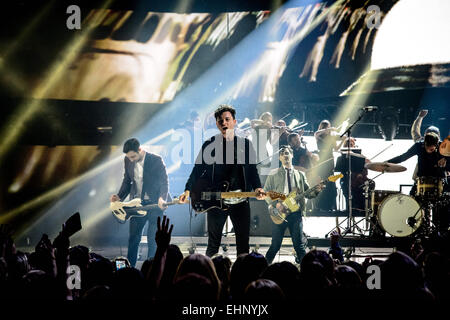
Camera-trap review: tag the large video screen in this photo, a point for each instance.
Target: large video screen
(148, 57)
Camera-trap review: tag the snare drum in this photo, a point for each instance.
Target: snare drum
(429, 187)
(400, 215)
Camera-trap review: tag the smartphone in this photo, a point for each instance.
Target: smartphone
(121, 263)
(72, 225)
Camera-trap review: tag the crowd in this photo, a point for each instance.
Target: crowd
(420, 274)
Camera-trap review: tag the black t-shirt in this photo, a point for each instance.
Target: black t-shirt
(427, 162)
(230, 171)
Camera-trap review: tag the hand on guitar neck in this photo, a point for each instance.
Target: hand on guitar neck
(261, 194)
(184, 198)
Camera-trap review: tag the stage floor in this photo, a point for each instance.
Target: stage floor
(187, 245)
(357, 248)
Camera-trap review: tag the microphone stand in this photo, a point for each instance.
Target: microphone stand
(348, 132)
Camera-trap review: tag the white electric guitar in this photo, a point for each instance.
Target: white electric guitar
(124, 211)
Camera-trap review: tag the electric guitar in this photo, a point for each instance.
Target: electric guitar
(290, 203)
(204, 197)
(124, 211)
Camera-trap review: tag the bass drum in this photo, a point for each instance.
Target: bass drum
(400, 215)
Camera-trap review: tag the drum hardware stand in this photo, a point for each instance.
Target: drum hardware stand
(368, 210)
(347, 230)
(348, 132)
(427, 227)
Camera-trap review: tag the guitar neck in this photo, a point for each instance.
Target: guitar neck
(155, 205)
(228, 195)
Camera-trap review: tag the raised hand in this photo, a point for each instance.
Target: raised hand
(163, 232)
(45, 250)
(423, 113)
(334, 237)
(61, 242)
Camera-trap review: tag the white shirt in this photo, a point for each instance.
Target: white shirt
(139, 176)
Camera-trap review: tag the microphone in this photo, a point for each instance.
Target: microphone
(370, 108)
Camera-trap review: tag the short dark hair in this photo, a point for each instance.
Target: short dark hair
(224, 108)
(431, 139)
(131, 145)
(292, 135)
(433, 129)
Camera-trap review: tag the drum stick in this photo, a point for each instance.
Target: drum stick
(381, 151)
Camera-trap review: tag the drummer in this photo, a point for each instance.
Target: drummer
(417, 136)
(430, 162)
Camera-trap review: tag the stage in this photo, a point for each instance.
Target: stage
(356, 248)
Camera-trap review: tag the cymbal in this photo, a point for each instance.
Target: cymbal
(384, 167)
(352, 154)
(444, 148)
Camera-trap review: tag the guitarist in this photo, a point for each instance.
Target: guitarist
(284, 180)
(227, 157)
(146, 178)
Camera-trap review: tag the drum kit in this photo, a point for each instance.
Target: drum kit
(398, 214)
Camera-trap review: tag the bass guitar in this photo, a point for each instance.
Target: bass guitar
(124, 211)
(291, 203)
(204, 197)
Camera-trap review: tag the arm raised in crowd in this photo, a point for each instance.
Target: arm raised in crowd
(162, 238)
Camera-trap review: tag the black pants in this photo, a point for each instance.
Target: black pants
(295, 225)
(240, 218)
(136, 227)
